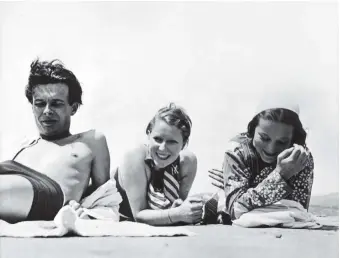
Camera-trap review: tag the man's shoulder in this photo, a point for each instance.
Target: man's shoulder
(91, 135)
(93, 138)
(19, 144)
(28, 140)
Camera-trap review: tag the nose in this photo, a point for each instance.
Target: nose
(48, 110)
(162, 146)
(272, 148)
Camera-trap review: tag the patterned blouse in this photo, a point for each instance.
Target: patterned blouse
(251, 183)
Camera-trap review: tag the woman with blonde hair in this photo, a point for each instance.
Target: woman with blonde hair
(154, 179)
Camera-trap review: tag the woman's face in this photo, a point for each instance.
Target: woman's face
(165, 143)
(271, 138)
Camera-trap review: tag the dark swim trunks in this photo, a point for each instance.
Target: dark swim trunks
(48, 197)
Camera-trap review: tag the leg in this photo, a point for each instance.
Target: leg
(16, 197)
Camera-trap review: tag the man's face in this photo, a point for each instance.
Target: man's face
(51, 109)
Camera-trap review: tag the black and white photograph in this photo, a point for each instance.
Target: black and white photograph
(169, 129)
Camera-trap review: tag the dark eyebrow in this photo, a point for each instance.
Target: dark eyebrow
(263, 134)
(173, 141)
(58, 100)
(284, 139)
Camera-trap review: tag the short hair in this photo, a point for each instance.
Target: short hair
(283, 116)
(44, 72)
(175, 116)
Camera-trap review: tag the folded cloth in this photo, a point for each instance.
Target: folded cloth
(102, 205)
(285, 213)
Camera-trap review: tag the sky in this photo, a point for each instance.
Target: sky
(216, 59)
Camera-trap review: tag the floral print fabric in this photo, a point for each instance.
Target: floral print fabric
(250, 183)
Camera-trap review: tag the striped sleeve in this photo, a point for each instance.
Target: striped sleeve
(241, 197)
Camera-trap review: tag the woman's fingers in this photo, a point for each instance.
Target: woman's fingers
(217, 178)
(196, 206)
(286, 153)
(218, 185)
(216, 173)
(303, 158)
(303, 161)
(194, 199)
(295, 155)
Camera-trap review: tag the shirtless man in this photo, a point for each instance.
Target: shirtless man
(55, 167)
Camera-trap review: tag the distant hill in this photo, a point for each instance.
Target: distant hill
(328, 200)
(325, 205)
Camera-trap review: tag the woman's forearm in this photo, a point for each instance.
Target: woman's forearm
(159, 217)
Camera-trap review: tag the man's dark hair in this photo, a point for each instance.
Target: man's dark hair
(44, 72)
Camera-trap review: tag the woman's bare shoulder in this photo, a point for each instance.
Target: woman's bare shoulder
(188, 161)
(137, 153)
(187, 155)
(132, 163)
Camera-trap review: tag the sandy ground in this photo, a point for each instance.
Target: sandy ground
(212, 241)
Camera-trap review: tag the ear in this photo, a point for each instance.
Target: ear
(74, 107)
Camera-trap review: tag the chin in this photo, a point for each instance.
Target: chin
(48, 133)
(163, 163)
(268, 160)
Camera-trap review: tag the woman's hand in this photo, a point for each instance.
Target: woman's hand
(291, 161)
(217, 176)
(190, 211)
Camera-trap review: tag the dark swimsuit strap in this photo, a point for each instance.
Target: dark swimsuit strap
(32, 143)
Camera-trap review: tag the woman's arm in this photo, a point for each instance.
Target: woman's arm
(302, 183)
(240, 196)
(188, 169)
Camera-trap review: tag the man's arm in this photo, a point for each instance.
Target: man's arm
(100, 168)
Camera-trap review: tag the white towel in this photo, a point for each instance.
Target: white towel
(67, 222)
(103, 205)
(286, 213)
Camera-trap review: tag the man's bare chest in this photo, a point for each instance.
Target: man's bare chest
(46, 154)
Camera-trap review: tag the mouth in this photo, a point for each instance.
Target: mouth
(48, 122)
(162, 156)
(269, 155)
